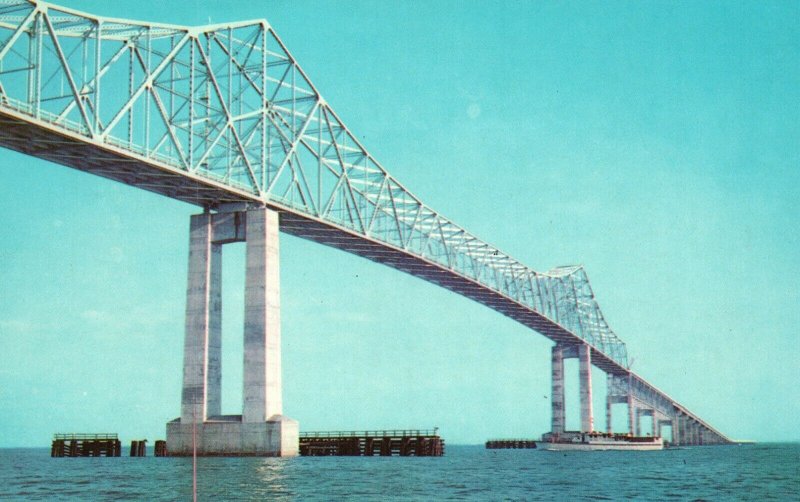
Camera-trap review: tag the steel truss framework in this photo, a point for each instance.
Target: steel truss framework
(223, 114)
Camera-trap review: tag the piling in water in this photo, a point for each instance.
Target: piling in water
(403, 443)
(85, 445)
(139, 448)
(494, 444)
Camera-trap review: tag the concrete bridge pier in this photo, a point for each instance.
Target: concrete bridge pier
(631, 411)
(583, 353)
(645, 412)
(683, 422)
(690, 428)
(557, 390)
(660, 425)
(617, 392)
(585, 386)
(261, 429)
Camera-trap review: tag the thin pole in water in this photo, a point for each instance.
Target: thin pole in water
(194, 456)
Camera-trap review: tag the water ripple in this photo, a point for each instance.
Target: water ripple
(756, 472)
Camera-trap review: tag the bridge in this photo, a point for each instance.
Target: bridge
(223, 117)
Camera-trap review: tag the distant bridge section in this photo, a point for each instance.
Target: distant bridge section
(222, 116)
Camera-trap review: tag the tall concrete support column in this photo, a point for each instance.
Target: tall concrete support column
(557, 400)
(675, 432)
(200, 396)
(637, 426)
(262, 323)
(656, 429)
(214, 379)
(688, 427)
(585, 384)
(609, 401)
(683, 433)
(630, 410)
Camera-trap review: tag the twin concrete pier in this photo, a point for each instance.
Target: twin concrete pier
(584, 355)
(261, 429)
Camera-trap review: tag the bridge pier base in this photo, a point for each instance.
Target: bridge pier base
(261, 429)
(229, 436)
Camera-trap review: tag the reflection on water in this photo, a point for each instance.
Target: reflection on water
(465, 473)
(270, 479)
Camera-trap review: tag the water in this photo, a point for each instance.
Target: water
(749, 472)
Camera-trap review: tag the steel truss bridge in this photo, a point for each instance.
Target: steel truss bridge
(223, 114)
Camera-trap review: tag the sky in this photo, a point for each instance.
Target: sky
(656, 143)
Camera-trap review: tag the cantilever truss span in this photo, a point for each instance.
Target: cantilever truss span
(223, 114)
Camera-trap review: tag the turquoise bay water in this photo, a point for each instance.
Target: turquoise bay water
(748, 472)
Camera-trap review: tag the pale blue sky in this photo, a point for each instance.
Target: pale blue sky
(657, 143)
